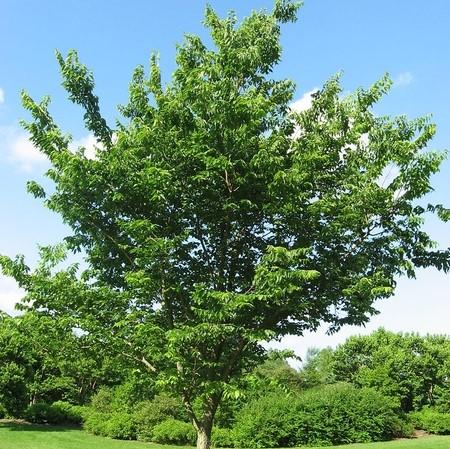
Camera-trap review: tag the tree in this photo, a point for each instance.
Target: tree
(214, 217)
(318, 368)
(407, 367)
(42, 360)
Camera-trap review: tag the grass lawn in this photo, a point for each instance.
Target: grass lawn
(25, 436)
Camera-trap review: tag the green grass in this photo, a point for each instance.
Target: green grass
(26, 436)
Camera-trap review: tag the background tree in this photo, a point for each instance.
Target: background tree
(318, 368)
(410, 368)
(43, 360)
(214, 218)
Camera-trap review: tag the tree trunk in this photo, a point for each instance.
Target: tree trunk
(204, 437)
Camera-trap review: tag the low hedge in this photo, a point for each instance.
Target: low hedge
(331, 415)
(58, 413)
(172, 431)
(432, 421)
(96, 422)
(222, 437)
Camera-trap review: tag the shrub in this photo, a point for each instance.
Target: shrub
(121, 426)
(43, 413)
(70, 414)
(3, 411)
(335, 414)
(57, 413)
(148, 414)
(96, 422)
(432, 421)
(173, 431)
(103, 400)
(222, 437)
(266, 422)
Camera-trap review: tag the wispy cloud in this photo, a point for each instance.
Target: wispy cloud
(2, 96)
(403, 79)
(16, 147)
(10, 295)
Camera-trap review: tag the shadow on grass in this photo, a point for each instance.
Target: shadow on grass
(23, 426)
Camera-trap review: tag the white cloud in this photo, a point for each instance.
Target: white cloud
(18, 148)
(10, 294)
(2, 96)
(305, 101)
(403, 79)
(90, 145)
(26, 154)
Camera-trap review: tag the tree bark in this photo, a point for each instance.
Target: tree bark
(204, 436)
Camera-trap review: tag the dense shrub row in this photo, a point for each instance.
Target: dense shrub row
(432, 421)
(160, 420)
(327, 415)
(336, 414)
(57, 413)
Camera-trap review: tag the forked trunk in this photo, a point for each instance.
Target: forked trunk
(204, 437)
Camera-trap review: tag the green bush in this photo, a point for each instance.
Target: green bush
(103, 400)
(432, 421)
(331, 415)
(121, 426)
(43, 413)
(222, 437)
(172, 431)
(57, 413)
(70, 414)
(123, 397)
(266, 422)
(148, 414)
(3, 411)
(96, 422)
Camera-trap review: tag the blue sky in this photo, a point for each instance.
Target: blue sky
(362, 38)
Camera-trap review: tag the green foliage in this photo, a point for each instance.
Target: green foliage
(71, 414)
(96, 422)
(103, 400)
(121, 426)
(43, 360)
(3, 411)
(214, 217)
(413, 369)
(432, 421)
(173, 431)
(266, 422)
(108, 416)
(318, 368)
(148, 414)
(57, 413)
(337, 414)
(15, 435)
(222, 437)
(43, 413)
(13, 391)
(276, 373)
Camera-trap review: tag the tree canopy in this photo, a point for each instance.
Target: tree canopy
(213, 217)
